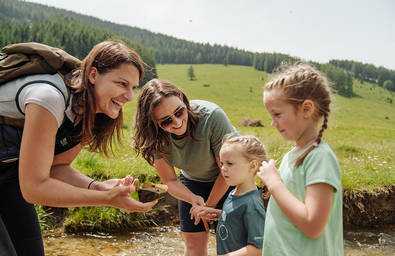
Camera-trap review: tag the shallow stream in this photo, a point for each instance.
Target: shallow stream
(168, 241)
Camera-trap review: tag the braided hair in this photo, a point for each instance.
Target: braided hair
(300, 82)
(252, 146)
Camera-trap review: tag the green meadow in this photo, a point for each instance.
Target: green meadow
(361, 128)
(361, 132)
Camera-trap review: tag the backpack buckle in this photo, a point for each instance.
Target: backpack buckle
(3, 56)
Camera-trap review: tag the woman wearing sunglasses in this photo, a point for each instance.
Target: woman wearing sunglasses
(172, 132)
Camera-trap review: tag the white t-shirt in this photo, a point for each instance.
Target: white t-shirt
(48, 91)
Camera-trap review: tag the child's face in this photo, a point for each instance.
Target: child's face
(235, 168)
(288, 120)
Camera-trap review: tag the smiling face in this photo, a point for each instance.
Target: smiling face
(288, 120)
(171, 115)
(235, 168)
(114, 88)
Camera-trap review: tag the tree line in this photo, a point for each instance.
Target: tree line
(76, 34)
(73, 36)
(368, 72)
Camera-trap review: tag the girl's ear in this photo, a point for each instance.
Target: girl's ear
(254, 165)
(92, 75)
(182, 97)
(308, 108)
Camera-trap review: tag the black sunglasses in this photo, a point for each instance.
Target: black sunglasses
(169, 120)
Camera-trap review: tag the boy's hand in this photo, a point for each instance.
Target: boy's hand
(205, 213)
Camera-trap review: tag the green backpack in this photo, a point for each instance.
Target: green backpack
(17, 60)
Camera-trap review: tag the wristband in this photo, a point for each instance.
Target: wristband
(90, 183)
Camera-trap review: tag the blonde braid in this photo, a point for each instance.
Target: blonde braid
(300, 82)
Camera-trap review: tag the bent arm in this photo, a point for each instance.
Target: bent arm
(40, 185)
(36, 161)
(61, 169)
(175, 187)
(312, 215)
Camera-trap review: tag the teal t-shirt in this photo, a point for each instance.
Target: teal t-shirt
(241, 223)
(197, 159)
(282, 237)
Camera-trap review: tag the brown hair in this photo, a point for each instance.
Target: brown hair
(149, 138)
(98, 129)
(300, 82)
(253, 148)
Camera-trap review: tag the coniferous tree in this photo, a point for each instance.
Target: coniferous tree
(191, 73)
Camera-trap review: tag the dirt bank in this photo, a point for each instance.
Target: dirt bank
(361, 208)
(364, 209)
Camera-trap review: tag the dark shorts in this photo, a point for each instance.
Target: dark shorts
(202, 189)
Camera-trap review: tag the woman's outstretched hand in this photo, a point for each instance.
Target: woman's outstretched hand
(119, 191)
(109, 184)
(119, 197)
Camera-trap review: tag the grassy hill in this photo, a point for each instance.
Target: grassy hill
(361, 129)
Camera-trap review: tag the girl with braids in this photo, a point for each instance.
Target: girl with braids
(304, 214)
(45, 120)
(172, 131)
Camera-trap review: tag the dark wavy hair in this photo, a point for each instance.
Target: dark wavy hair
(149, 138)
(99, 130)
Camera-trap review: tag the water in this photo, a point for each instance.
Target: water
(168, 241)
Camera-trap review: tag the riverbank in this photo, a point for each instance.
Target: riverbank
(369, 209)
(361, 209)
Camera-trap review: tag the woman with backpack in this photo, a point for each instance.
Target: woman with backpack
(45, 120)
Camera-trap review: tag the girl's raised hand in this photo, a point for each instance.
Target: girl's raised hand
(268, 173)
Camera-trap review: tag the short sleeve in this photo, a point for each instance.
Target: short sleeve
(157, 156)
(321, 166)
(220, 126)
(46, 96)
(254, 220)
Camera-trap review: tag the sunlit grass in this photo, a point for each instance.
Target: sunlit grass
(361, 129)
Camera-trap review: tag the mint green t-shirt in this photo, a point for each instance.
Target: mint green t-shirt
(282, 237)
(197, 159)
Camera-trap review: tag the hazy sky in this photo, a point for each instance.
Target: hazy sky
(361, 30)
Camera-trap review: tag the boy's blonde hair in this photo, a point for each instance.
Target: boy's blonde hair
(300, 82)
(253, 148)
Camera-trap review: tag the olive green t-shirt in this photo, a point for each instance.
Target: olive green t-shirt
(197, 159)
(282, 237)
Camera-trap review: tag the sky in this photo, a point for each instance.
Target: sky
(318, 30)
